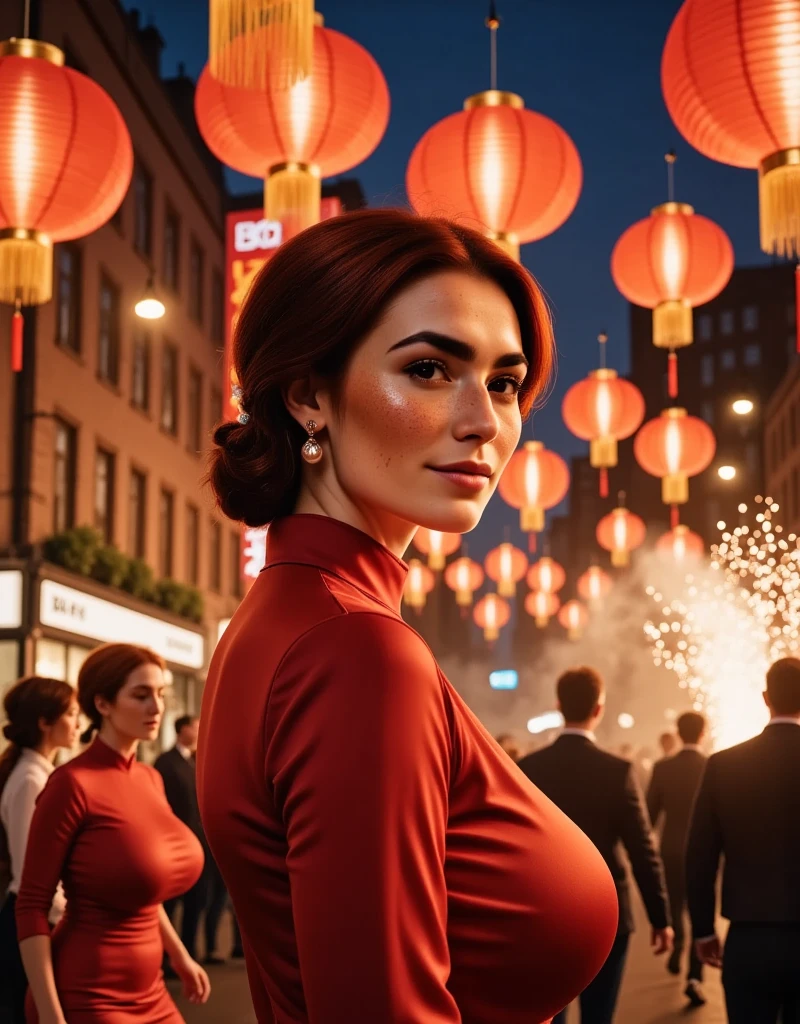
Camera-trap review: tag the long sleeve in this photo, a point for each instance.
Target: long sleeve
(637, 837)
(655, 796)
(703, 851)
(60, 811)
(358, 756)
(20, 813)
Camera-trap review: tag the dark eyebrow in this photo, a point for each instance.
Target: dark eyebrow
(460, 349)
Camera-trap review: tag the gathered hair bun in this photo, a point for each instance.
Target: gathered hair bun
(10, 733)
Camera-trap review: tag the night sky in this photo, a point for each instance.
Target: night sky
(593, 67)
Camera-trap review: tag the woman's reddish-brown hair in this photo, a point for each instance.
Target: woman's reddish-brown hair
(307, 311)
(104, 673)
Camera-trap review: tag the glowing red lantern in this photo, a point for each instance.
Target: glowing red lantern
(620, 532)
(464, 577)
(491, 614)
(675, 446)
(65, 166)
(323, 125)
(670, 262)
(436, 545)
(681, 544)
(546, 575)
(594, 584)
(574, 617)
(506, 565)
(514, 172)
(534, 480)
(419, 583)
(541, 606)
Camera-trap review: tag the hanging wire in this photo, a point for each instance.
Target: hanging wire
(602, 338)
(493, 24)
(670, 159)
(26, 30)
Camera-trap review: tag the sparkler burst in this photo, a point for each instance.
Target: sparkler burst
(729, 622)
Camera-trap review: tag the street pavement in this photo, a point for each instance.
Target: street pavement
(649, 994)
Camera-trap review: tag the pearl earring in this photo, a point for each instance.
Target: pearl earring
(312, 449)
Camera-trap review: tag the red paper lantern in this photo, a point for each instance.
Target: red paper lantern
(436, 545)
(535, 479)
(603, 409)
(681, 544)
(670, 262)
(419, 583)
(65, 166)
(546, 576)
(491, 613)
(514, 172)
(730, 74)
(594, 584)
(675, 446)
(323, 125)
(574, 617)
(620, 532)
(541, 606)
(506, 565)
(464, 577)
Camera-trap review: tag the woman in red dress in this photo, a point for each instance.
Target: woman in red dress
(103, 826)
(387, 861)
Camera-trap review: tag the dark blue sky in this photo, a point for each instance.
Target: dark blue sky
(592, 66)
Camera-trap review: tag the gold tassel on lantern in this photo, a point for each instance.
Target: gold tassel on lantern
(26, 267)
(779, 202)
(672, 324)
(292, 196)
(262, 30)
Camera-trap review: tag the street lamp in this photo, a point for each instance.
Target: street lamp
(726, 472)
(742, 406)
(149, 307)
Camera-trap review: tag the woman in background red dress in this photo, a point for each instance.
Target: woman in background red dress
(103, 826)
(388, 863)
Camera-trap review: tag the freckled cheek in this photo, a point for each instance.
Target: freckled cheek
(397, 420)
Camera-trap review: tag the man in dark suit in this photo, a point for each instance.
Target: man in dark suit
(599, 792)
(177, 769)
(670, 798)
(748, 811)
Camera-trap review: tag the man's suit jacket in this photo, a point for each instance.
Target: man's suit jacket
(671, 793)
(599, 792)
(748, 810)
(178, 774)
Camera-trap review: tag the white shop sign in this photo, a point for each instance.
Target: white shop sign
(62, 607)
(10, 599)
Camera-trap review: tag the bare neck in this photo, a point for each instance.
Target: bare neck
(124, 745)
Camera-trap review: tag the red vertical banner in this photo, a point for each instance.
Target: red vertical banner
(250, 241)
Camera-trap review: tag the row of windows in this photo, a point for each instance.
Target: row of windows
(784, 435)
(748, 320)
(65, 475)
(788, 497)
(727, 358)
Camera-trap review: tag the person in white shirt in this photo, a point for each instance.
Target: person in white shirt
(42, 717)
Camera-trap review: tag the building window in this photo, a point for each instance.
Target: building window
(196, 260)
(784, 439)
(752, 457)
(707, 371)
(217, 307)
(140, 384)
(166, 532)
(726, 322)
(752, 355)
(192, 544)
(773, 450)
(236, 564)
(143, 210)
(104, 494)
(137, 507)
(108, 338)
(169, 389)
(727, 359)
(705, 327)
(68, 297)
(750, 318)
(195, 440)
(707, 413)
(65, 454)
(216, 406)
(172, 243)
(215, 560)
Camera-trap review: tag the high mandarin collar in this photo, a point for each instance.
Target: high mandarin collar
(341, 550)
(102, 753)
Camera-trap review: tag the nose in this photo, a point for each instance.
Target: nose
(474, 416)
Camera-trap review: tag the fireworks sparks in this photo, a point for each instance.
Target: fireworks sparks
(727, 624)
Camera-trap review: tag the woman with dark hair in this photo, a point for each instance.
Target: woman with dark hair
(103, 825)
(42, 718)
(386, 860)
